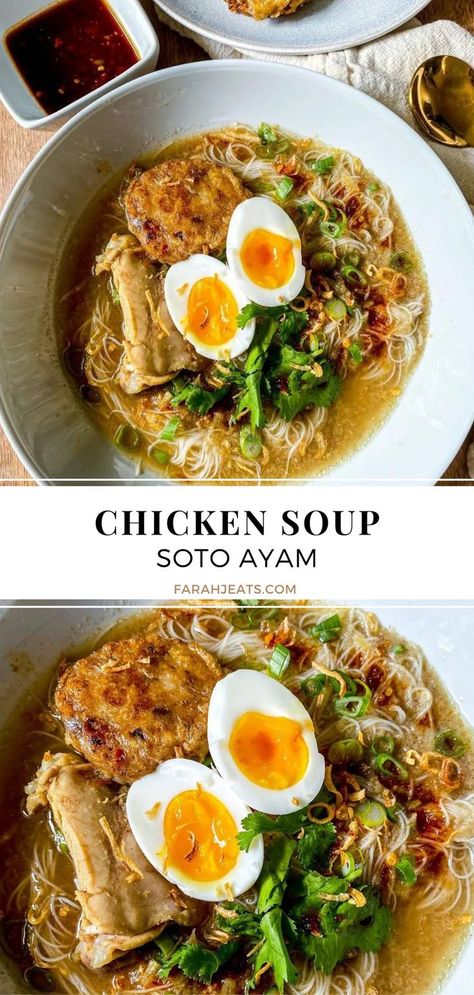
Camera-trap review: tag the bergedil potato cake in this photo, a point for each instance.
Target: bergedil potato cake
(240, 799)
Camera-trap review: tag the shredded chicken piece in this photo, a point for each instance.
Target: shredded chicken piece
(119, 853)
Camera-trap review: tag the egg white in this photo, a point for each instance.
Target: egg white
(252, 691)
(168, 780)
(178, 284)
(261, 212)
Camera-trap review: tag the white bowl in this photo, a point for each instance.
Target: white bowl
(37, 637)
(15, 93)
(42, 414)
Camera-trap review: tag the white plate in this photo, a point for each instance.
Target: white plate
(320, 26)
(40, 410)
(41, 635)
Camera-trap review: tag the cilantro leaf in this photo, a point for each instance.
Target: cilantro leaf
(250, 400)
(306, 390)
(309, 888)
(285, 359)
(314, 845)
(198, 398)
(272, 879)
(258, 822)
(290, 323)
(274, 951)
(365, 929)
(234, 918)
(197, 962)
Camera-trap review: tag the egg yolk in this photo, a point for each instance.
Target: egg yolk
(212, 311)
(200, 836)
(267, 258)
(269, 750)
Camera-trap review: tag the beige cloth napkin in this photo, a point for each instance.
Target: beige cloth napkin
(382, 69)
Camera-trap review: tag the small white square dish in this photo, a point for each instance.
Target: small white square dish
(15, 92)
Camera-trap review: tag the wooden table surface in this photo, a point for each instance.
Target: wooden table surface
(18, 146)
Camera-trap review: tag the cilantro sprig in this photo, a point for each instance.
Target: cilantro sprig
(195, 961)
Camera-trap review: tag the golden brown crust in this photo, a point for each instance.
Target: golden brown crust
(261, 9)
(182, 206)
(134, 703)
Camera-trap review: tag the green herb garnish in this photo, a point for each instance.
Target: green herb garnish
(197, 962)
(170, 429)
(323, 165)
(328, 629)
(449, 743)
(405, 869)
(279, 661)
(355, 352)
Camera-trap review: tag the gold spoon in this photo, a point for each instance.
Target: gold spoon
(441, 97)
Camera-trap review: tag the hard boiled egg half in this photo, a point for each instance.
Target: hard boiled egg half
(185, 819)
(204, 300)
(262, 741)
(264, 252)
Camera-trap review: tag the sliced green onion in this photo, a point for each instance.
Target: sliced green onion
(261, 187)
(308, 207)
(177, 385)
(392, 811)
(349, 864)
(170, 429)
(387, 766)
(326, 630)
(268, 150)
(336, 228)
(279, 661)
(371, 814)
(449, 743)
(313, 685)
(373, 186)
(322, 166)
(353, 276)
(384, 743)
(355, 352)
(405, 869)
(401, 261)
(266, 133)
(345, 751)
(332, 210)
(322, 262)
(335, 308)
(262, 614)
(256, 613)
(399, 649)
(352, 704)
(250, 443)
(160, 456)
(315, 345)
(127, 437)
(351, 258)
(241, 621)
(284, 187)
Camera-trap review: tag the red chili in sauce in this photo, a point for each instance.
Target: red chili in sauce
(69, 49)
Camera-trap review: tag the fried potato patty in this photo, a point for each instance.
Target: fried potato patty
(260, 9)
(136, 702)
(182, 206)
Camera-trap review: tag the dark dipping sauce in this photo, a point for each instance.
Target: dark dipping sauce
(69, 50)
